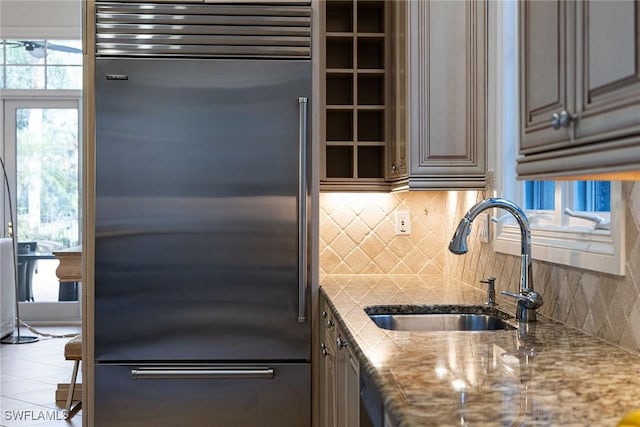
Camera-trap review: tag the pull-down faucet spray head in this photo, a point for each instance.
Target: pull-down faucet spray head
(458, 244)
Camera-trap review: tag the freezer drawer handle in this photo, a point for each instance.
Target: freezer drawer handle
(200, 374)
(302, 211)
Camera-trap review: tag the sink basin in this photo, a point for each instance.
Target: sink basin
(431, 321)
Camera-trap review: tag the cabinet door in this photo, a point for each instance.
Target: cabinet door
(328, 375)
(447, 93)
(330, 407)
(352, 390)
(546, 85)
(397, 93)
(339, 376)
(348, 384)
(608, 74)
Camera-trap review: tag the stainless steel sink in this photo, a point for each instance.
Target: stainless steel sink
(432, 322)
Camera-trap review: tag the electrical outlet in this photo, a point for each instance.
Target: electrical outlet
(482, 222)
(403, 223)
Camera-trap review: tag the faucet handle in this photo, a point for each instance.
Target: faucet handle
(529, 298)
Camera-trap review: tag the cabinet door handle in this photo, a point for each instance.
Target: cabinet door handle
(341, 343)
(562, 119)
(325, 352)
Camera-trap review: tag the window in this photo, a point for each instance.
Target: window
(572, 222)
(47, 169)
(40, 64)
(40, 100)
(589, 196)
(581, 205)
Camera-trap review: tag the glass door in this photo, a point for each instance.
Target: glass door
(42, 155)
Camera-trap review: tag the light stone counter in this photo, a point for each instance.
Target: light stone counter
(551, 375)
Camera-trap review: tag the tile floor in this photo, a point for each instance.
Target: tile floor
(29, 374)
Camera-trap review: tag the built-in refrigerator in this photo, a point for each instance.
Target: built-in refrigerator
(201, 249)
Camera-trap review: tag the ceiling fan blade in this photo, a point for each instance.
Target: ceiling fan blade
(62, 48)
(30, 45)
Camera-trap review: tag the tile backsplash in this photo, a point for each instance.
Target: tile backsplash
(357, 235)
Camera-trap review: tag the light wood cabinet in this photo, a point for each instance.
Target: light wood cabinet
(339, 375)
(579, 89)
(447, 93)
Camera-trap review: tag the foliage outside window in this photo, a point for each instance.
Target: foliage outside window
(47, 194)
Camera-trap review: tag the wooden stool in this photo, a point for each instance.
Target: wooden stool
(73, 351)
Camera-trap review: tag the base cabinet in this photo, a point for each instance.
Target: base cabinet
(328, 370)
(339, 375)
(348, 385)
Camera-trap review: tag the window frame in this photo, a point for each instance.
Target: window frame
(10, 101)
(577, 245)
(563, 240)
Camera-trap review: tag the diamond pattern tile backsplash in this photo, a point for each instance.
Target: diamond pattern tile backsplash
(357, 236)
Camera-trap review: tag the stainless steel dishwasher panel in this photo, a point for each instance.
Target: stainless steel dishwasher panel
(218, 395)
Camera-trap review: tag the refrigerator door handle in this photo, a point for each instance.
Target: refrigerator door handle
(173, 373)
(302, 211)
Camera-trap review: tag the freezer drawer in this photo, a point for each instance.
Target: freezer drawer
(202, 395)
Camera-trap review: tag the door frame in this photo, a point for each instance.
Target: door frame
(10, 101)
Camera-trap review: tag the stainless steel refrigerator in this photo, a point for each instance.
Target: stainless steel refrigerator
(201, 217)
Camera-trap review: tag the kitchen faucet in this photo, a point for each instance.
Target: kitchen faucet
(528, 299)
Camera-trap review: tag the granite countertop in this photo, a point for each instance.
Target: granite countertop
(548, 375)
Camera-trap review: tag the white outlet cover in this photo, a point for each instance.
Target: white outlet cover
(403, 223)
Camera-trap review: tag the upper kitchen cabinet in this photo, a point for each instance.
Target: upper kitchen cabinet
(355, 74)
(447, 94)
(405, 98)
(579, 89)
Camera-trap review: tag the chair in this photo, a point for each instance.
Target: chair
(73, 351)
(26, 266)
